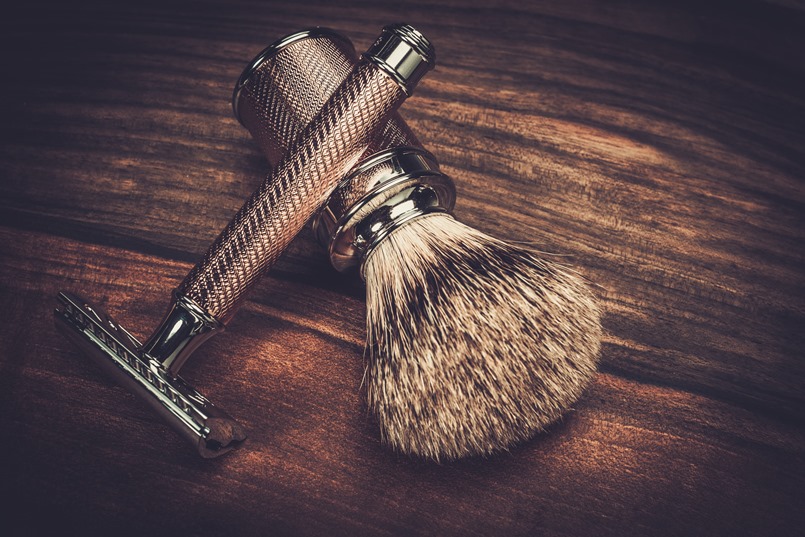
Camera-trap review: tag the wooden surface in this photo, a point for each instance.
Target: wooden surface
(659, 146)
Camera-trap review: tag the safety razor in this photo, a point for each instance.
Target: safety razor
(298, 185)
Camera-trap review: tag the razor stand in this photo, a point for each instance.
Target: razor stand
(151, 371)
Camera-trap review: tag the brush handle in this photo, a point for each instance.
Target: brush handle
(287, 84)
(300, 182)
(283, 89)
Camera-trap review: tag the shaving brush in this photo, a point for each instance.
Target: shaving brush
(473, 344)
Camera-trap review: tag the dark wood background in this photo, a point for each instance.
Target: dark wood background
(658, 145)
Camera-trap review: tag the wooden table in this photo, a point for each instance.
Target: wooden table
(659, 146)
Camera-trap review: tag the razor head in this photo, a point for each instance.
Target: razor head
(211, 430)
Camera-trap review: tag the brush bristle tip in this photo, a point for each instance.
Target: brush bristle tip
(475, 345)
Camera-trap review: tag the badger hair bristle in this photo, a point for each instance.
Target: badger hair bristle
(474, 345)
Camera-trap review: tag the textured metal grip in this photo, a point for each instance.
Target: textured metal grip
(281, 91)
(299, 184)
(288, 84)
(275, 99)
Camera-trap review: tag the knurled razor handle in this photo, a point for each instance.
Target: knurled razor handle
(300, 183)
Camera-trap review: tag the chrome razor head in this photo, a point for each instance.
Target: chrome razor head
(211, 430)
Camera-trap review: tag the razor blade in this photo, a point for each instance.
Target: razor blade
(211, 430)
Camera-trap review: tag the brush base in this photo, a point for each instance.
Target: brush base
(386, 190)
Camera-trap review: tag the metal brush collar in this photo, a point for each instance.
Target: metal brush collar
(394, 187)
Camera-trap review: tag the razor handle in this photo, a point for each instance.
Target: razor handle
(260, 231)
(297, 187)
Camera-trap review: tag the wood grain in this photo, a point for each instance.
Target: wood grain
(658, 146)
